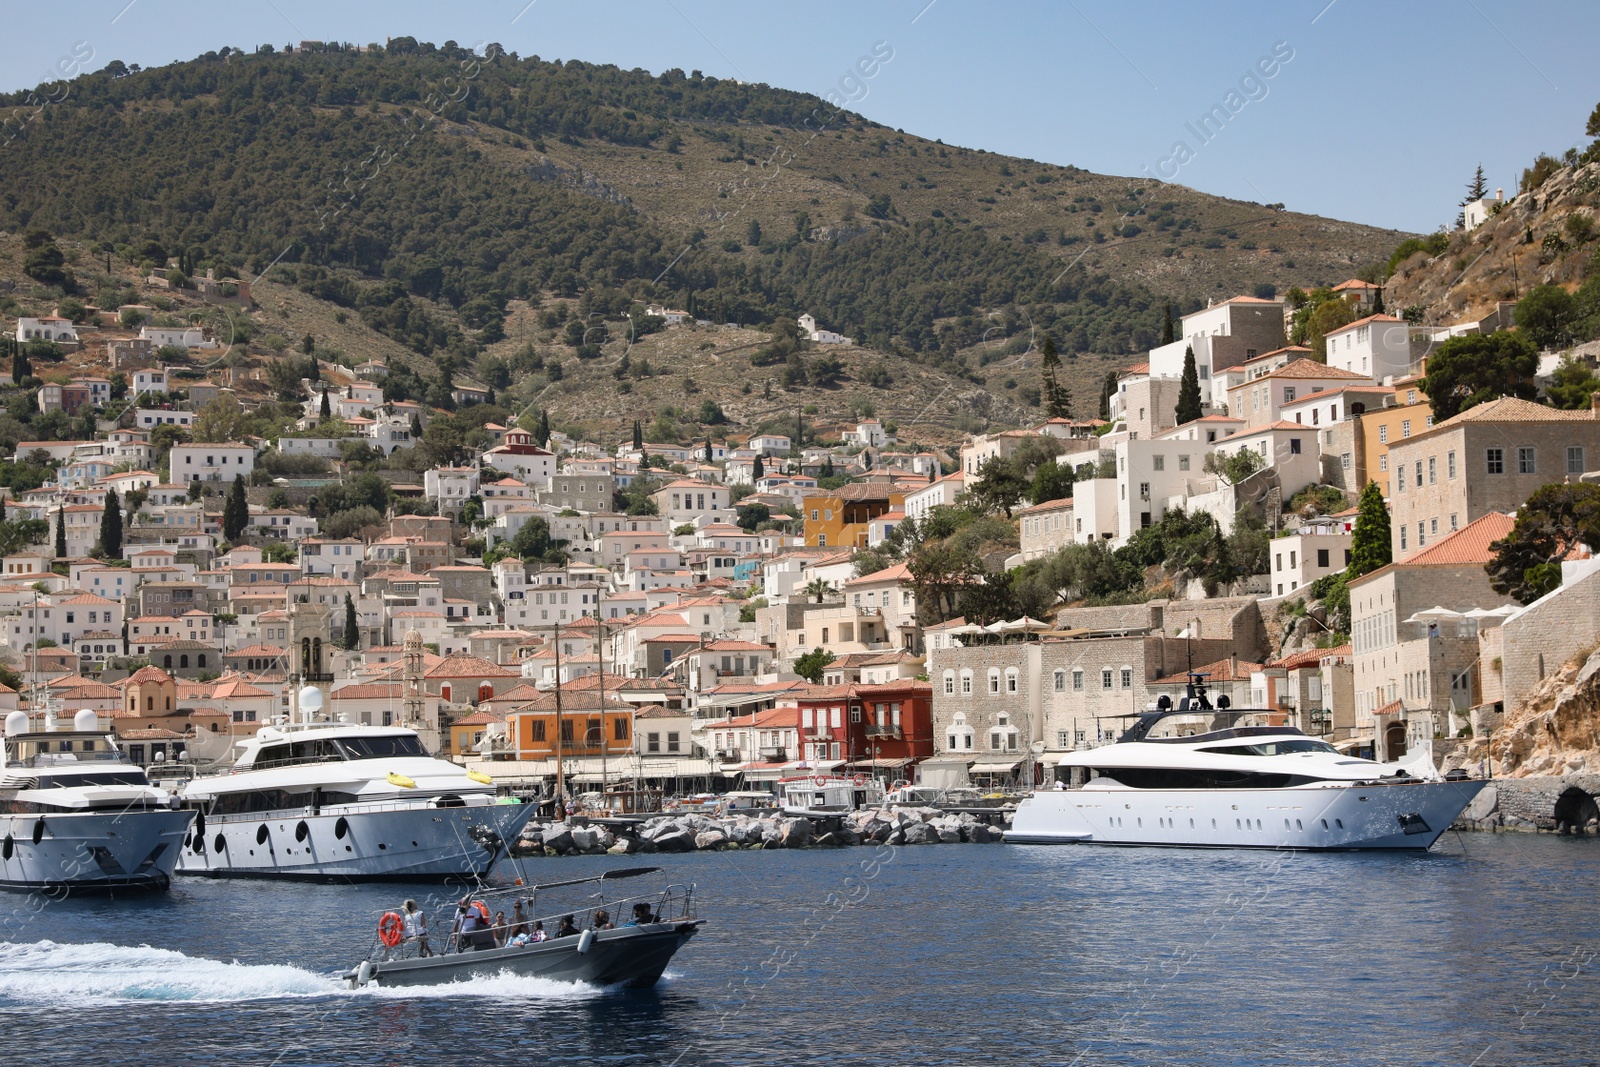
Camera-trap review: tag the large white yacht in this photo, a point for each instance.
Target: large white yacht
(334, 801)
(74, 815)
(1238, 787)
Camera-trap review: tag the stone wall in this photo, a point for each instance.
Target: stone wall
(1548, 634)
(1532, 804)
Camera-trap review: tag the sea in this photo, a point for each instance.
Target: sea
(1483, 951)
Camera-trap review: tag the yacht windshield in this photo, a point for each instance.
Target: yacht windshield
(131, 776)
(377, 747)
(1273, 748)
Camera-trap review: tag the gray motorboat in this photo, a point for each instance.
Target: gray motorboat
(633, 955)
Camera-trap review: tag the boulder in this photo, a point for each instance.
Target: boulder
(833, 839)
(797, 833)
(558, 836)
(675, 841)
(982, 834)
(1483, 805)
(644, 844)
(710, 840)
(583, 838)
(625, 846)
(920, 833)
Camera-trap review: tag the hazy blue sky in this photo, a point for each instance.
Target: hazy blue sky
(1379, 116)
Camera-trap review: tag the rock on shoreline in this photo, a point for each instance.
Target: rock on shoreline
(706, 833)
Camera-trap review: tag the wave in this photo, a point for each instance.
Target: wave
(100, 974)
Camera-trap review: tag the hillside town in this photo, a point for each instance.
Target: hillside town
(720, 614)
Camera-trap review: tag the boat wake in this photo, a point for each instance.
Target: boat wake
(48, 972)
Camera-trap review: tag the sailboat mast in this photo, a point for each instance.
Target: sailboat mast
(561, 778)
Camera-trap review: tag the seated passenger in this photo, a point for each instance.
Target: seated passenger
(568, 927)
(538, 932)
(642, 915)
(602, 920)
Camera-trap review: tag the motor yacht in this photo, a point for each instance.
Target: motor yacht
(335, 801)
(75, 815)
(1238, 786)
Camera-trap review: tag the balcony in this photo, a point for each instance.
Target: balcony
(729, 755)
(774, 753)
(314, 678)
(583, 748)
(874, 730)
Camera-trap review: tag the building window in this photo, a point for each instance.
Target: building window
(949, 683)
(1344, 461)
(1183, 463)
(1402, 538)
(1453, 521)
(1105, 678)
(1494, 460)
(1422, 538)
(1294, 446)
(1400, 478)
(994, 681)
(1574, 459)
(1158, 463)
(1011, 680)
(1526, 461)
(1383, 462)
(1061, 681)
(1433, 470)
(1127, 677)
(1383, 434)
(1405, 428)
(1077, 680)
(966, 683)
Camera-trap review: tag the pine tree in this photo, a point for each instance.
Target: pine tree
(759, 470)
(352, 629)
(236, 512)
(1477, 188)
(1189, 407)
(1057, 397)
(61, 531)
(1370, 547)
(111, 527)
(326, 409)
(1167, 335)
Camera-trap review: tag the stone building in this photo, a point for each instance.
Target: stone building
(1490, 458)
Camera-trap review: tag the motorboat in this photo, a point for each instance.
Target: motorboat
(335, 801)
(814, 795)
(75, 815)
(1238, 786)
(608, 941)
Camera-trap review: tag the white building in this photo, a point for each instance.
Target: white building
(211, 462)
(46, 328)
(1302, 558)
(1377, 347)
(808, 330)
(941, 493)
(179, 336)
(1476, 212)
(150, 380)
(150, 418)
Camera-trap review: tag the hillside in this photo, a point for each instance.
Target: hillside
(432, 197)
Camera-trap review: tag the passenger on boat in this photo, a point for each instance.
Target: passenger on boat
(642, 915)
(602, 920)
(568, 927)
(472, 927)
(519, 920)
(416, 927)
(538, 932)
(501, 929)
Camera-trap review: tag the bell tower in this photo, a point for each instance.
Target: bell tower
(310, 649)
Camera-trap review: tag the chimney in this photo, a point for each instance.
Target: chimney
(1233, 665)
(1594, 405)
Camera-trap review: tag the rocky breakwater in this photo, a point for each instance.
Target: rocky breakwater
(705, 833)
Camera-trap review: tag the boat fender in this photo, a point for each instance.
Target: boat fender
(585, 939)
(7, 848)
(199, 844)
(365, 972)
(200, 824)
(391, 929)
(38, 831)
(261, 834)
(480, 778)
(302, 831)
(341, 828)
(220, 843)
(398, 779)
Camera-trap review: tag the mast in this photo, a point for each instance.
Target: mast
(600, 652)
(561, 778)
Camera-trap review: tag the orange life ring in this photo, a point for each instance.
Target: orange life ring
(819, 780)
(860, 779)
(391, 928)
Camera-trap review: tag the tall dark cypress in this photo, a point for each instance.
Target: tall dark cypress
(111, 527)
(1189, 404)
(1167, 336)
(352, 630)
(236, 512)
(1057, 397)
(61, 531)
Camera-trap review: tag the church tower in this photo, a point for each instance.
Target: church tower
(310, 650)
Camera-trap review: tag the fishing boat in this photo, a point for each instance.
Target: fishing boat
(813, 795)
(632, 949)
(1239, 786)
(75, 815)
(337, 801)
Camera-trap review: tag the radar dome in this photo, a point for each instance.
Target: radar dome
(86, 721)
(310, 699)
(16, 723)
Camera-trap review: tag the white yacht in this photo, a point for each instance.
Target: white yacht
(333, 801)
(75, 815)
(1239, 787)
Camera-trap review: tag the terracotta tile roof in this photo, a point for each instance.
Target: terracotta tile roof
(1309, 368)
(268, 651)
(370, 691)
(1065, 503)
(464, 666)
(1508, 409)
(1308, 657)
(479, 718)
(1362, 322)
(1356, 283)
(897, 573)
(1394, 707)
(1223, 670)
(1470, 544)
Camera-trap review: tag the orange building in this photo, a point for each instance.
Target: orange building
(1378, 430)
(584, 727)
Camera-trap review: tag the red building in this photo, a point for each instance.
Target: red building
(878, 729)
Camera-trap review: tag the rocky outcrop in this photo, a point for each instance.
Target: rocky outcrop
(1555, 732)
(1563, 804)
(701, 833)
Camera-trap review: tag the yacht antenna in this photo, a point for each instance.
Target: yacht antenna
(600, 652)
(561, 778)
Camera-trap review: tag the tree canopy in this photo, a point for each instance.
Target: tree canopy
(1552, 525)
(1466, 371)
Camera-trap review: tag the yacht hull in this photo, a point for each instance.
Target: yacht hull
(91, 851)
(633, 956)
(1332, 817)
(422, 843)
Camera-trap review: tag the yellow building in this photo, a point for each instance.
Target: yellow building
(838, 518)
(1378, 430)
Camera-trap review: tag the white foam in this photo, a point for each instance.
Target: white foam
(47, 972)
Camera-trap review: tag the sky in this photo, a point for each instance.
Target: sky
(1363, 110)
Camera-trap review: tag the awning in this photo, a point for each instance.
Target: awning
(885, 763)
(1351, 743)
(994, 768)
(767, 772)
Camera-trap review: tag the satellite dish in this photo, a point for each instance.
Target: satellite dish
(1224, 703)
(310, 699)
(16, 723)
(86, 721)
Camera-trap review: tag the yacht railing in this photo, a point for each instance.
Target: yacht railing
(673, 904)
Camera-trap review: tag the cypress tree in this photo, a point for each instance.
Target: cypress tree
(2, 508)
(1377, 302)
(1167, 334)
(1370, 547)
(708, 450)
(638, 436)
(352, 630)
(1057, 397)
(541, 428)
(111, 527)
(759, 471)
(1189, 407)
(799, 430)
(327, 409)
(1108, 389)
(236, 512)
(61, 531)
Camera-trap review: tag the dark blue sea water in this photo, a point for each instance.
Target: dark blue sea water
(1482, 953)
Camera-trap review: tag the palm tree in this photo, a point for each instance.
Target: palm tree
(818, 588)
